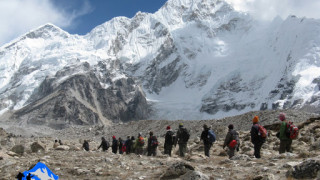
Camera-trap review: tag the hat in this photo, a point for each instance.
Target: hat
(282, 116)
(255, 119)
(113, 137)
(168, 127)
(181, 124)
(230, 126)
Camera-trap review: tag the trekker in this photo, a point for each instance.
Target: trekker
(128, 144)
(56, 144)
(256, 139)
(120, 145)
(104, 144)
(285, 141)
(139, 144)
(182, 139)
(232, 141)
(133, 140)
(206, 139)
(85, 145)
(169, 141)
(152, 145)
(114, 145)
(60, 142)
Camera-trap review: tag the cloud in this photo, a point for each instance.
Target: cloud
(268, 9)
(19, 16)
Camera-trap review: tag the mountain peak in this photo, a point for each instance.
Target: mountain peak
(47, 31)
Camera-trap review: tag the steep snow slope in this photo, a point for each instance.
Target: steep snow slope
(196, 59)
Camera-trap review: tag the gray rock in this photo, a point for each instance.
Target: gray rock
(309, 168)
(176, 170)
(37, 147)
(194, 175)
(19, 149)
(63, 148)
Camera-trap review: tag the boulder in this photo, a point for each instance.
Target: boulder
(19, 149)
(194, 175)
(63, 148)
(37, 147)
(309, 168)
(176, 170)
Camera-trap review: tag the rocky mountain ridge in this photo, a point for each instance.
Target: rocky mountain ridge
(193, 59)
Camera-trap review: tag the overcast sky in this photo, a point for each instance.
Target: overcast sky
(80, 16)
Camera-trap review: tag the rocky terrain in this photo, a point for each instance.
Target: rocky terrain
(22, 147)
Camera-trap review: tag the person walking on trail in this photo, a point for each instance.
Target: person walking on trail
(120, 145)
(232, 141)
(285, 141)
(133, 140)
(207, 139)
(85, 145)
(256, 138)
(169, 141)
(104, 144)
(128, 144)
(152, 144)
(139, 144)
(182, 138)
(114, 145)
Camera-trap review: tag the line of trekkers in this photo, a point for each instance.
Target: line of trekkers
(258, 136)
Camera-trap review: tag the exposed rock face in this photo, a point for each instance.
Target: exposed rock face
(75, 95)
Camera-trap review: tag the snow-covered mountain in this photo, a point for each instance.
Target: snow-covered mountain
(194, 59)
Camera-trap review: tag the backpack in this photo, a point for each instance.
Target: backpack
(141, 141)
(293, 131)
(185, 135)
(154, 142)
(233, 143)
(235, 140)
(124, 148)
(262, 132)
(211, 136)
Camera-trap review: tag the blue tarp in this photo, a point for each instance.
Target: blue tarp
(39, 171)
